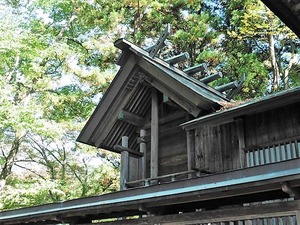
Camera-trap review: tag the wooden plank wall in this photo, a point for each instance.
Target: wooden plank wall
(217, 148)
(273, 136)
(272, 125)
(172, 156)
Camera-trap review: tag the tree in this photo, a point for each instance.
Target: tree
(267, 39)
(48, 83)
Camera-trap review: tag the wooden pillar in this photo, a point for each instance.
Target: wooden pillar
(190, 138)
(241, 137)
(124, 164)
(298, 216)
(143, 150)
(154, 135)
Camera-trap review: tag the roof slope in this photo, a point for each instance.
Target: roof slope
(131, 91)
(257, 105)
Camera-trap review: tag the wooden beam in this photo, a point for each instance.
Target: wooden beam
(124, 171)
(195, 69)
(211, 77)
(293, 192)
(167, 119)
(154, 134)
(231, 214)
(131, 118)
(160, 42)
(178, 58)
(117, 96)
(180, 100)
(226, 87)
(143, 149)
(241, 137)
(168, 101)
(238, 88)
(298, 216)
(190, 136)
(271, 143)
(136, 154)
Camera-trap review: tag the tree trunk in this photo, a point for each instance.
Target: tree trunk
(275, 67)
(292, 61)
(11, 157)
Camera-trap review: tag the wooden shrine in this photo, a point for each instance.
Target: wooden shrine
(185, 159)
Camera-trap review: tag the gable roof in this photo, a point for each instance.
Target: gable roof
(288, 11)
(131, 91)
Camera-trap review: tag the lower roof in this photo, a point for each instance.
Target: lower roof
(240, 185)
(261, 104)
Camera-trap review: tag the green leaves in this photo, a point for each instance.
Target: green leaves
(53, 61)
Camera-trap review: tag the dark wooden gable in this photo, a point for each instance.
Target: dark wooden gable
(129, 95)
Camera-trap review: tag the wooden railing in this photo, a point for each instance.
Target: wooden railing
(272, 152)
(196, 172)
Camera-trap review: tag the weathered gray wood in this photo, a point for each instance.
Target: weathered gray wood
(298, 216)
(239, 86)
(217, 147)
(211, 77)
(190, 149)
(111, 96)
(124, 164)
(172, 148)
(195, 69)
(168, 101)
(178, 58)
(143, 149)
(200, 148)
(293, 192)
(134, 168)
(168, 177)
(131, 118)
(154, 134)
(272, 143)
(246, 214)
(241, 137)
(169, 118)
(136, 154)
(160, 42)
(226, 87)
(184, 102)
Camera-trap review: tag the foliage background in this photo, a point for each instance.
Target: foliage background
(57, 59)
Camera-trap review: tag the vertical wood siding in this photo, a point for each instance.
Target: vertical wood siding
(172, 154)
(217, 147)
(172, 148)
(286, 220)
(273, 136)
(270, 136)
